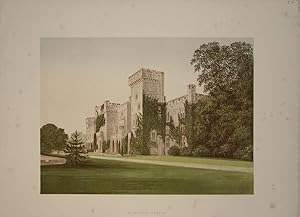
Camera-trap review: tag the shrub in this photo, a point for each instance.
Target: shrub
(105, 146)
(173, 150)
(125, 147)
(200, 151)
(125, 144)
(185, 151)
(244, 154)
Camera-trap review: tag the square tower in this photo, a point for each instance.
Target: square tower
(148, 82)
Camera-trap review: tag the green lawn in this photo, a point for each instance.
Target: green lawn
(200, 160)
(117, 177)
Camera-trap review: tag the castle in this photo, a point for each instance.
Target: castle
(122, 119)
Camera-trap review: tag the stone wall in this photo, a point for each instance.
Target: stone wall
(90, 130)
(153, 84)
(121, 119)
(144, 81)
(175, 108)
(136, 102)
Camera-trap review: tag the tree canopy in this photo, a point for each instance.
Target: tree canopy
(224, 118)
(52, 138)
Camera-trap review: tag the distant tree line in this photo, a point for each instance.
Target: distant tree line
(52, 138)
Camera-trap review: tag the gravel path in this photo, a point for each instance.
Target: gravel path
(180, 164)
(50, 160)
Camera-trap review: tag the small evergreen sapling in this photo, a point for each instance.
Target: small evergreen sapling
(76, 155)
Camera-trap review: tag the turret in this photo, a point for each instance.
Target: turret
(191, 96)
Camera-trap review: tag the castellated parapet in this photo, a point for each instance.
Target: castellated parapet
(122, 119)
(175, 109)
(124, 122)
(109, 110)
(191, 95)
(148, 82)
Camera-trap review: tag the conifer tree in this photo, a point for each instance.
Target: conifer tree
(76, 155)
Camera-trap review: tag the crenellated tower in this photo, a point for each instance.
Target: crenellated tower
(148, 82)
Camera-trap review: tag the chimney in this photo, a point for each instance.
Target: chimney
(191, 96)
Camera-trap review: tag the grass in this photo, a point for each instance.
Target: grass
(116, 177)
(200, 160)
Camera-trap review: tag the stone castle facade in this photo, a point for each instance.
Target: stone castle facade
(121, 120)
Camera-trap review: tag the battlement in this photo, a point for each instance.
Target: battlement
(177, 100)
(123, 106)
(191, 96)
(107, 106)
(145, 74)
(111, 107)
(90, 121)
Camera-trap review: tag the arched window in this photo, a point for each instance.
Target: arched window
(153, 136)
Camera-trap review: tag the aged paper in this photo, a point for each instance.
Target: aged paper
(275, 29)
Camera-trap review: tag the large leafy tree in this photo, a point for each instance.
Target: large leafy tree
(76, 155)
(52, 138)
(204, 125)
(226, 73)
(190, 125)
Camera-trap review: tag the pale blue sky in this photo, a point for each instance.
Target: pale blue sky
(79, 73)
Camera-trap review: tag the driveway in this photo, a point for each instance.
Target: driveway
(179, 164)
(50, 160)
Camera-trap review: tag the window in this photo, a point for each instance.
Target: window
(181, 128)
(153, 136)
(167, 130)
(181, 113)
(167, 142)
(135, 122)
(139, 106)
(136, 96)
